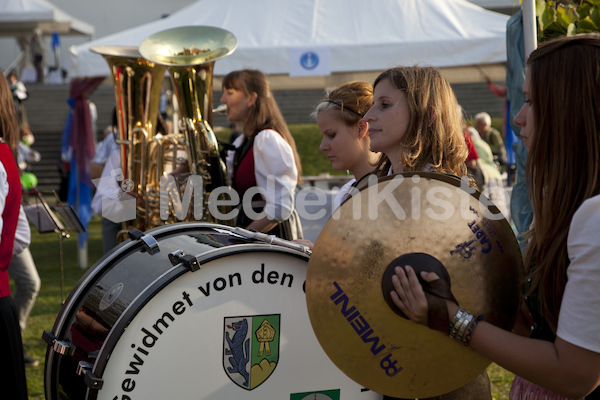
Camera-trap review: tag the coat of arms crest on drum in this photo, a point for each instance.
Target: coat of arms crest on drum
(250, 348)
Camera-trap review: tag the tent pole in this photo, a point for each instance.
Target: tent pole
(15, 63)
(529, 26)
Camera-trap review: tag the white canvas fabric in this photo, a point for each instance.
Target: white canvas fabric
(361, 35)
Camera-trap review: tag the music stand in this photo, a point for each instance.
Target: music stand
(60, 219)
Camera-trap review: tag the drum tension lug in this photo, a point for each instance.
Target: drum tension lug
(64, 348)
(48, 337)
(92, 381)
(175, 257)
(135, 234)
(58, 346)
(150, 244)
(84, 367)
(191, 262)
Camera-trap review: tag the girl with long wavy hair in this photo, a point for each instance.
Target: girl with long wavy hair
(414, 123)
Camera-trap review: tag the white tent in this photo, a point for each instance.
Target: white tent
(355, 35)
(21, 17)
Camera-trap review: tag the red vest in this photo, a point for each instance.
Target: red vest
(10, 216)
(244, 173)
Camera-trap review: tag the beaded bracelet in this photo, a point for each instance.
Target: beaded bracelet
(457, 316)
(463, 328)
(467, 338)
(460, 323)
(453, 328)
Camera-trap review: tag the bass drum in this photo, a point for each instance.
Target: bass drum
(192, 311)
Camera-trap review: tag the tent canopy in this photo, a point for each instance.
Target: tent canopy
(21, 17)
(358, 35)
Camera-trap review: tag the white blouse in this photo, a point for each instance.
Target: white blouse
(343, 193)
(579, 318)
(275, 171)
(22, 233)
(3, 192)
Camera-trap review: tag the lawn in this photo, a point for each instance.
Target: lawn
(45, 250)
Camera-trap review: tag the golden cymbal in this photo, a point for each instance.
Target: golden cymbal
(434, 216)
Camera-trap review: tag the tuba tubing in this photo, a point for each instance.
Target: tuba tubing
(137, 84)
(189, 54)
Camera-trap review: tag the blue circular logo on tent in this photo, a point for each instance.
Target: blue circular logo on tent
(309, 60)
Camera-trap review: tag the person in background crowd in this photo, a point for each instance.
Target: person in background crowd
(492, 185)
(38, 54)
(107, 158)
(473, 167)
(507, 131)
(20, 94)
(26, 154)
(235, 132)
(27, 282)
(483, 124)
(18, 89)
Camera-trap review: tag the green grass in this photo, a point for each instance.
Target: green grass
(308, 139)
(500, 380)
(45, 250)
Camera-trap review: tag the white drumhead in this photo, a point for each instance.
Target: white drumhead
(237, 328)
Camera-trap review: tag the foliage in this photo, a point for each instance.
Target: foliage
(566, 17)
(500, 381)
(307, 138)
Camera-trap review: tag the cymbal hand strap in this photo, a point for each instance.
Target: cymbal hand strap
(436, 293)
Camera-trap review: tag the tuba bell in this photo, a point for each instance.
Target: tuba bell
(189, 53)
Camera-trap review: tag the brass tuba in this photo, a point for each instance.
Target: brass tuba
(189, 53)
(147, 157)
(137, 83)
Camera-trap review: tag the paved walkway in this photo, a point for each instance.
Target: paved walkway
(314, 209)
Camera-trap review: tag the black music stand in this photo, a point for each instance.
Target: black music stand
(60, 219)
